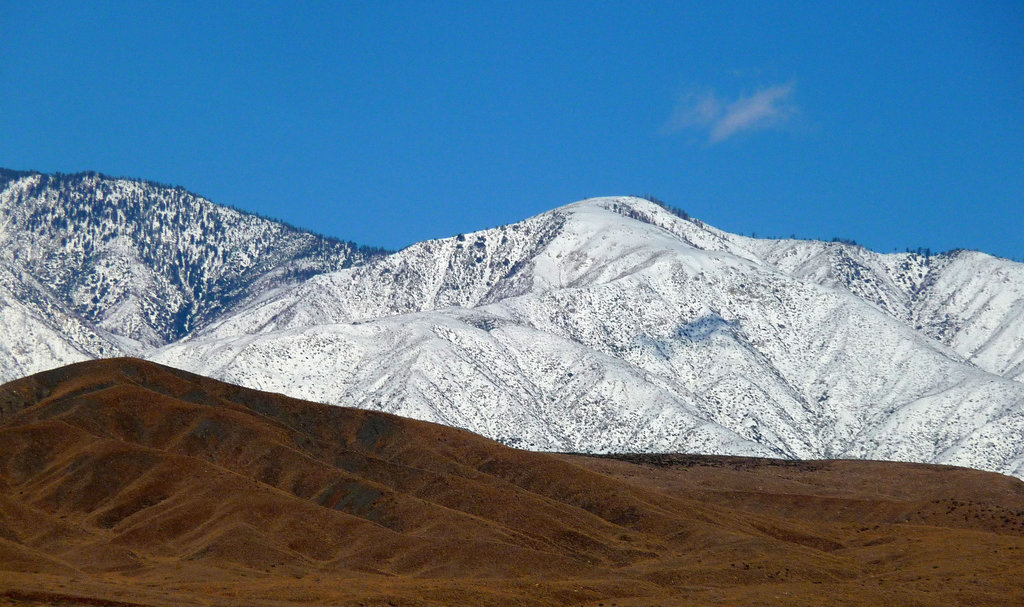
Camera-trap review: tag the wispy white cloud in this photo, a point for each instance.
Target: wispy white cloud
(719, 119)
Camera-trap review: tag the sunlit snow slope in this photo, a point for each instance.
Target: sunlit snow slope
(97, 266)
(614, 325)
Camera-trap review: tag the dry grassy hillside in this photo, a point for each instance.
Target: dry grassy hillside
(123, 482)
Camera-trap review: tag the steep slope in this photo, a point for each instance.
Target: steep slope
(126, 483)
(38, 332)
(968, 300)
(141, 263)
(31, 341)
(613, 325)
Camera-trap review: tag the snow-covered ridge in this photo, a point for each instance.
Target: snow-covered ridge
(967, 300)
(625, 327)
(140, 264)
(612, 324)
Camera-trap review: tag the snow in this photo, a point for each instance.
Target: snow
(144, 263)
(618, 333)
(605, 325)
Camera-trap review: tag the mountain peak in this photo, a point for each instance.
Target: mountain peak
(613, 323)
(641, 209)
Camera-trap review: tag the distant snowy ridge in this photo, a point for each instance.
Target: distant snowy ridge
(610, 324)
(118, 266)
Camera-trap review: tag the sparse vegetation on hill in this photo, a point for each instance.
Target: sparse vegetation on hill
(127, 483)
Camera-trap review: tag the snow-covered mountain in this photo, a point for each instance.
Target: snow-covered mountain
(613, 324)
(95, 266)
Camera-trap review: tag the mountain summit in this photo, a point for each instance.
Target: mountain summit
(611, 324)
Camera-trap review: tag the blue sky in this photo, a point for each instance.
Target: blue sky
(895, 124)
